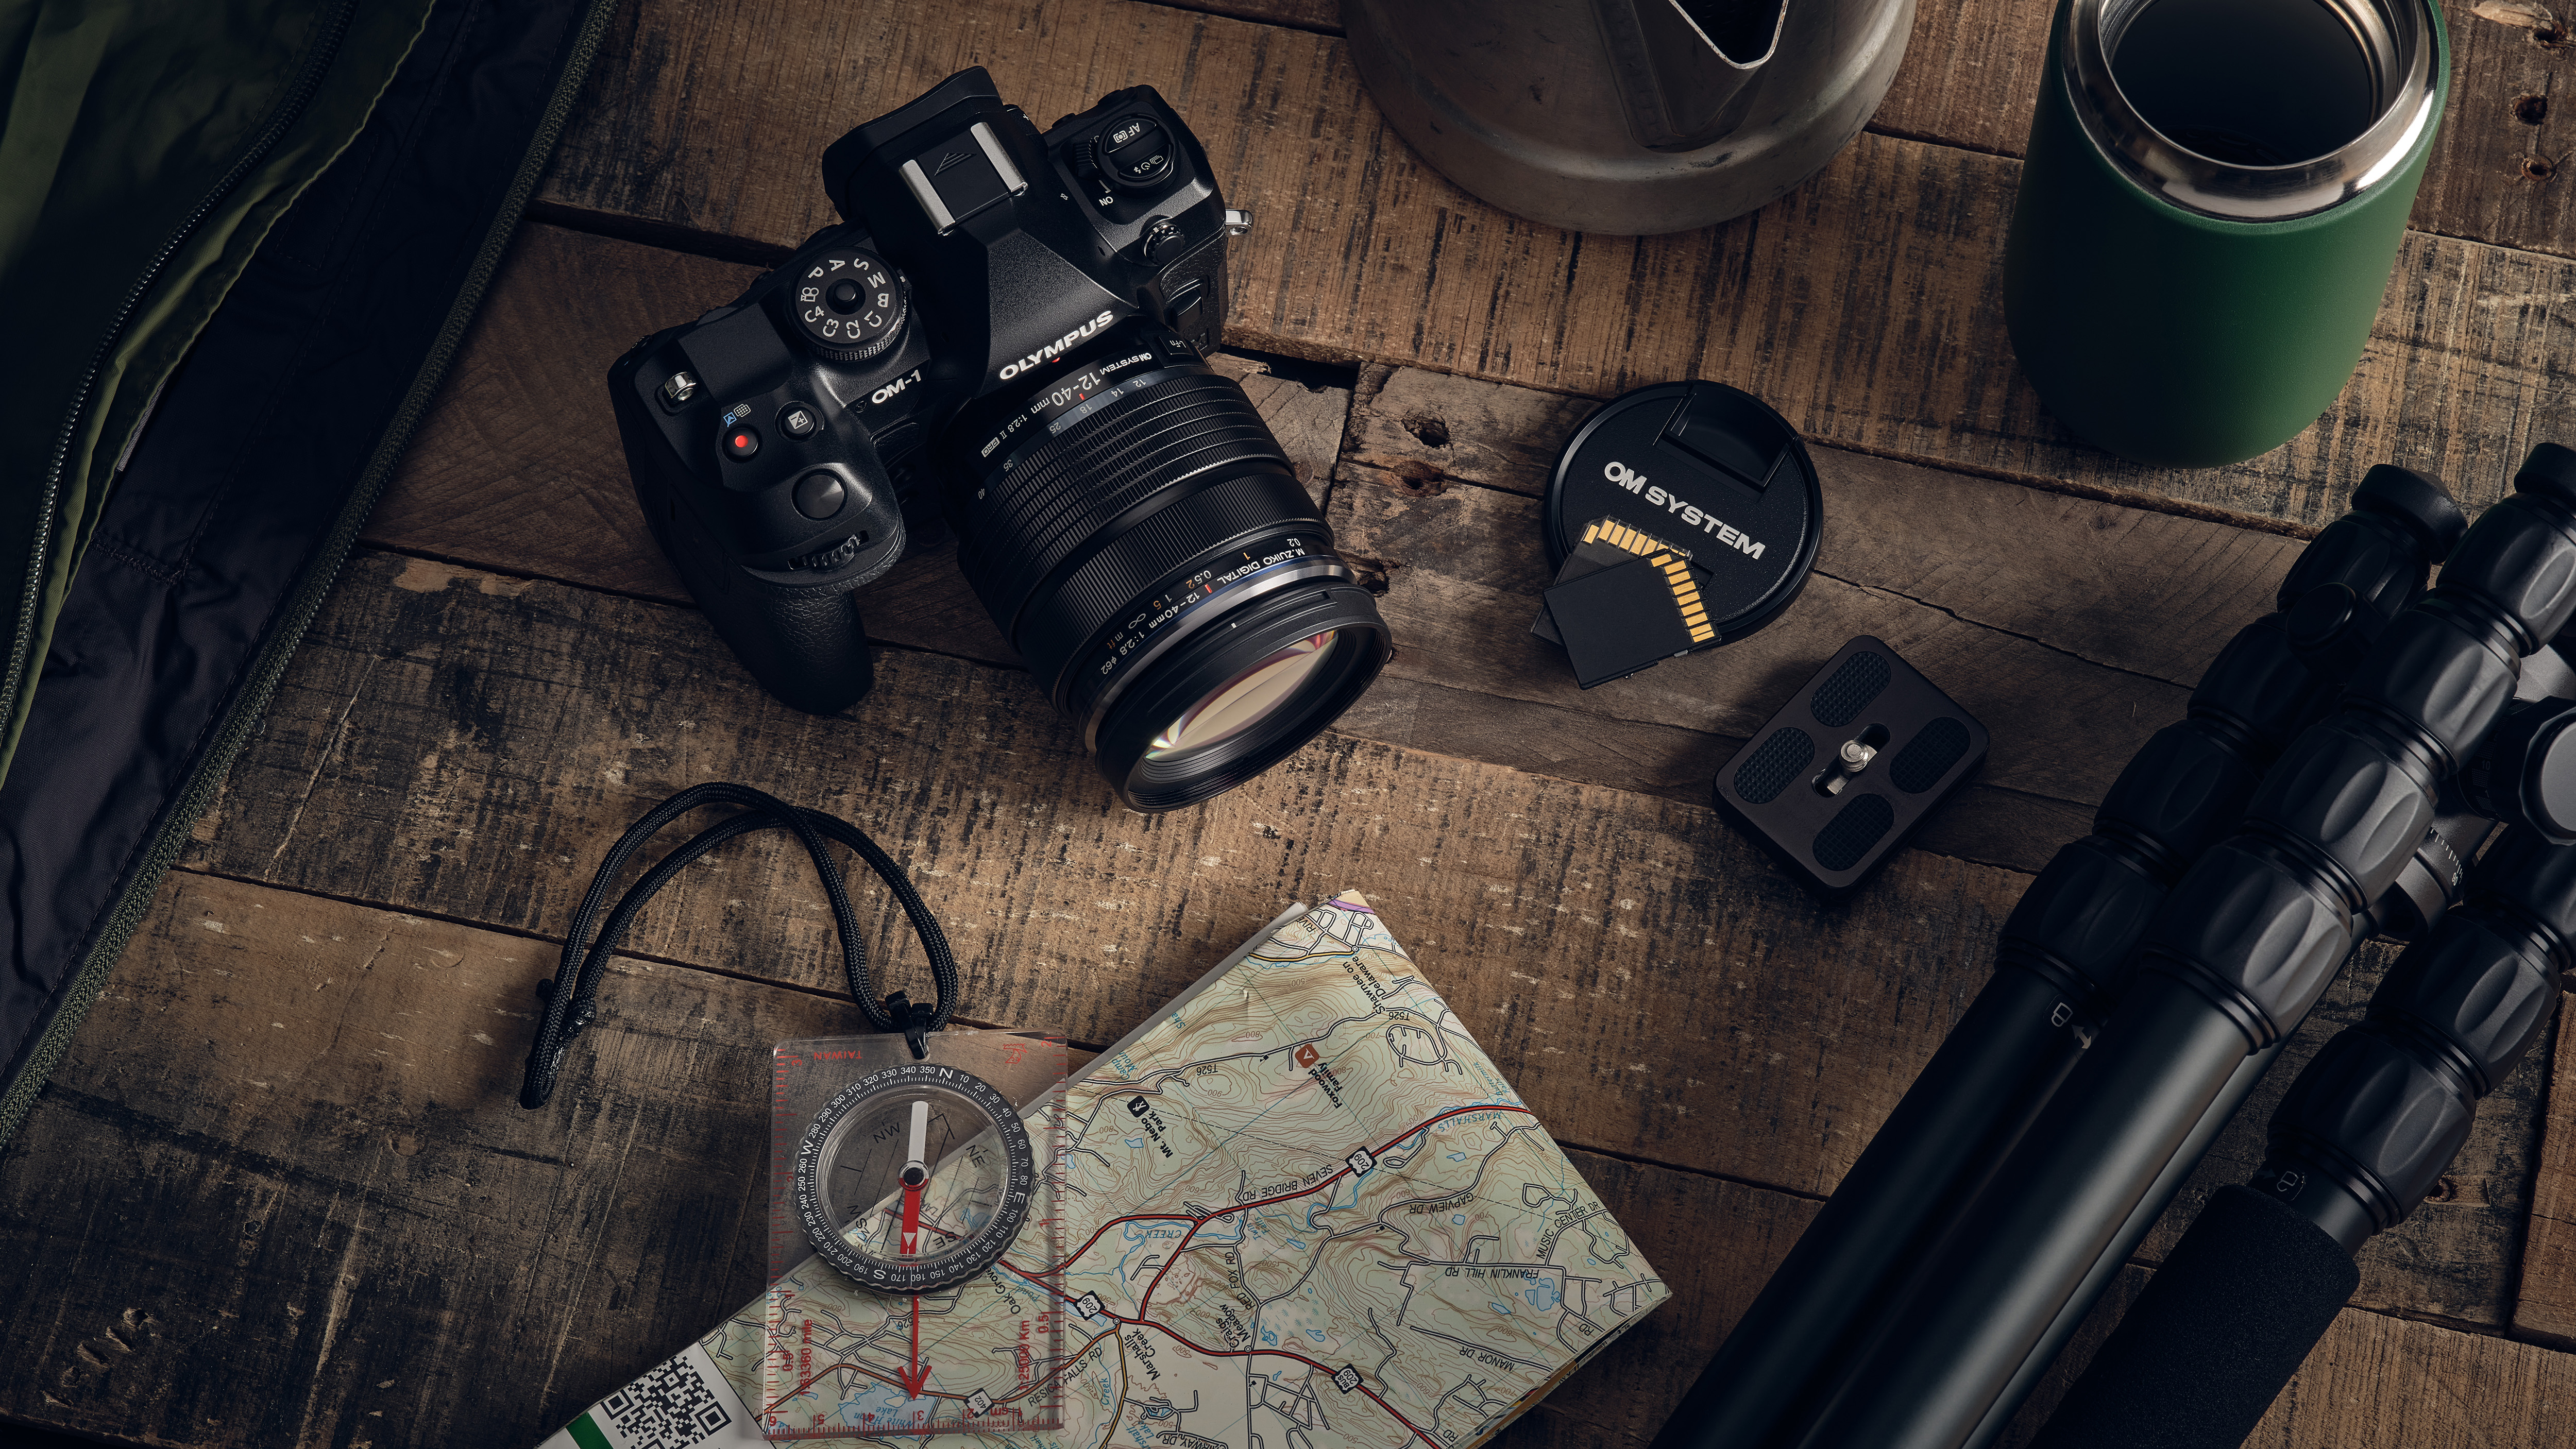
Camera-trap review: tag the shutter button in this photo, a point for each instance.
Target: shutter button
(819, 495)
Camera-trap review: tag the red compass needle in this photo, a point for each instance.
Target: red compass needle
(916, 1176)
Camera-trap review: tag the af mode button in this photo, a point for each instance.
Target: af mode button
(1135, 152)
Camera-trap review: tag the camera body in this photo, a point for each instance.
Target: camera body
(1007, 335)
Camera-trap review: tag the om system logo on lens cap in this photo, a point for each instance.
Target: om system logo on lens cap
(1697, 471)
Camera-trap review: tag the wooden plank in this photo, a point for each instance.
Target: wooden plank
(322, 1099)
(1464, 581)
(2072, 626)
(321, 1096)
(1321, 15)
(2546, 1308)
(1865, 305)
(332, 1222)
(465, 745)
(518, 467)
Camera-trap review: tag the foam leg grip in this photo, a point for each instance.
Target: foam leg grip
(2206, 1348)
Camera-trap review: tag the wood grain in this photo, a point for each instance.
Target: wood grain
(2071, 625)
(340, 1132)
(322, 1100)
(464, 745)
(2546, 1308)
(1865, 305)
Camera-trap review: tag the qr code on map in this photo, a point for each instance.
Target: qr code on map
(669, 1408)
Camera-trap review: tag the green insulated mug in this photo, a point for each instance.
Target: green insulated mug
(2214, 198)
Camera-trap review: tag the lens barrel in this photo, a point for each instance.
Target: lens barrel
(1139, 536)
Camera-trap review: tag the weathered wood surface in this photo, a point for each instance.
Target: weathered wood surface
(2073, 625)
(2546, 1309)
(454, 748)
(1865, 305)
(464, 745)
(322, 1097)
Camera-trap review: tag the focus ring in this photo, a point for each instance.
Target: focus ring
(1116, 578)
(1071, 487)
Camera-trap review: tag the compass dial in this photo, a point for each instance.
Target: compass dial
(914, 1178)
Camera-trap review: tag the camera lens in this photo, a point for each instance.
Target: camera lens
(1139, 536)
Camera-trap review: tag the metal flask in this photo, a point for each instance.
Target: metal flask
(1628, 116)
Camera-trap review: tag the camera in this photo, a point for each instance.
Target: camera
(1007, 337)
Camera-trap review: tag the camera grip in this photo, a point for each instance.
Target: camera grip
(804, 643)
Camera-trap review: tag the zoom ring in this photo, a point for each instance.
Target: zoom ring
(1066, 495)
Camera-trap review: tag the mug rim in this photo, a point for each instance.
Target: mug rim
(2397, 37)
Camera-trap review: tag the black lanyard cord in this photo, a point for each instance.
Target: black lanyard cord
(585, 966)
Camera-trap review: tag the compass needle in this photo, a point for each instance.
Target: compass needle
(918, 1217)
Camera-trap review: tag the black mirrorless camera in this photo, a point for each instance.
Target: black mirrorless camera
(1009, 332)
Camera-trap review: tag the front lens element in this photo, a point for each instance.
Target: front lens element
(1244, 700)
(1141, 539)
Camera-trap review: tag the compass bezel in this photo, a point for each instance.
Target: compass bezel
(930, 1274)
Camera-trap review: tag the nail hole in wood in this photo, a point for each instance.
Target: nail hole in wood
(1431, 431)
(2531, 110)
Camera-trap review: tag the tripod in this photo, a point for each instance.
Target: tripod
(2169, 954)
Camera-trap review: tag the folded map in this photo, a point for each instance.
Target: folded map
(1298, 1206)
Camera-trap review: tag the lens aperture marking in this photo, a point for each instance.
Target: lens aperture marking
(1073, 398)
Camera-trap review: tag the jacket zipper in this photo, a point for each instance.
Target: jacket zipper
(18, 1090)
(290, 109)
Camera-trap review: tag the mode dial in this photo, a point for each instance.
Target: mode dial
(849, 304)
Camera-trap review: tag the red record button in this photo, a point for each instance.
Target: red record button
(741, 443)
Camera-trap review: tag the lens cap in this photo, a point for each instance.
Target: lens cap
(1710, 473)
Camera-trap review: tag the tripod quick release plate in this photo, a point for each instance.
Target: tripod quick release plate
(1849, 766)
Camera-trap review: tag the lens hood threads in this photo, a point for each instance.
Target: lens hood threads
(1680, 517)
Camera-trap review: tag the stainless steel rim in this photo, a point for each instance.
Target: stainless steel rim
(2398, 40)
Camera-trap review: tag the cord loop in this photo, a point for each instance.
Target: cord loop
(568, 1011)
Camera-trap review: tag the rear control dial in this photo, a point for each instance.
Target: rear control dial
(849, 304)
(1135, 153)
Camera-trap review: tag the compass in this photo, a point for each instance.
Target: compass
(914, 1178)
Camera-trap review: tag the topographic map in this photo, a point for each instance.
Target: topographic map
(1298, 1209)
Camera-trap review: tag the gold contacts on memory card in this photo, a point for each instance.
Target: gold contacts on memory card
(1676, 570)
(1624, 600)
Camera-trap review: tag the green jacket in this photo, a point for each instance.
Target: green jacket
(146, 148)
